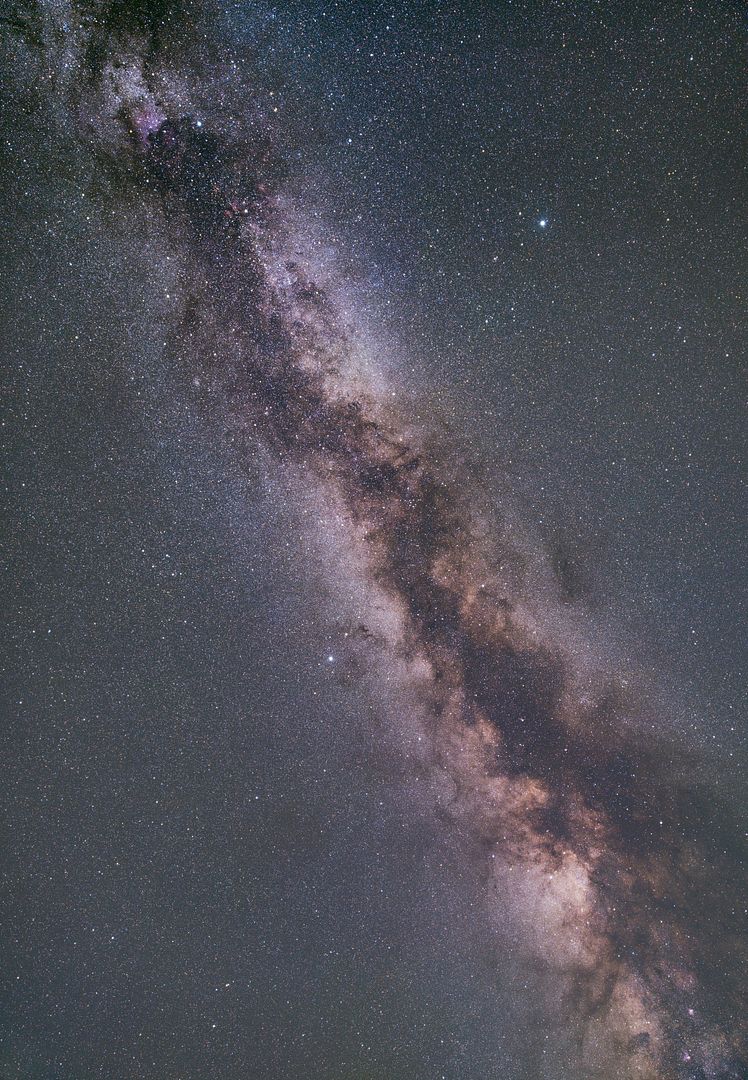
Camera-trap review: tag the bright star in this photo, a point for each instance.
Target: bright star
(542, 223)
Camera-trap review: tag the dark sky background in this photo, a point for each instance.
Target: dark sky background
(215, 867)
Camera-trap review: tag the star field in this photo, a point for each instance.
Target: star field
(374, 657)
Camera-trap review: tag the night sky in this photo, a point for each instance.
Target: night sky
(373, 548)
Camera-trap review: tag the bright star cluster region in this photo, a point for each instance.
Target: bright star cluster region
(373, 668)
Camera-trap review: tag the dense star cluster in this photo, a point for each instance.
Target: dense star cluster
(581, 880)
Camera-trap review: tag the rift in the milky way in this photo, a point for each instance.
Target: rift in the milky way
(619, 876)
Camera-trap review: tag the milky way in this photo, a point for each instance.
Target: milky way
(595, 841)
